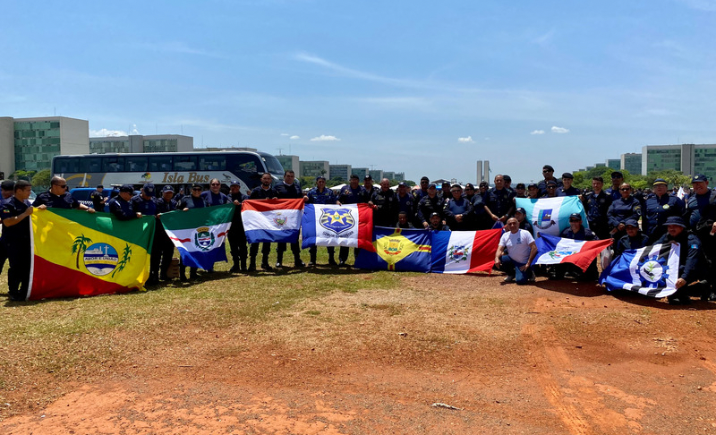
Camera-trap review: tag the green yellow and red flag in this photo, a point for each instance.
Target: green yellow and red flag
(80, 254)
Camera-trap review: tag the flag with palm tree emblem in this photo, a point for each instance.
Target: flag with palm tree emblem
(80, 254)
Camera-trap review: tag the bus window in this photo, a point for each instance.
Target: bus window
(160, 163)
(66, 165)
(245, 166)
(113, 164)
(91, 164)
(212, 162)
(136, 164)
(184, 163)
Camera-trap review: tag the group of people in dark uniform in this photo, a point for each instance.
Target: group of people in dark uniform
(613, 213)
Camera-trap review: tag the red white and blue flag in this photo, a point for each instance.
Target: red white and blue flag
(349, 225)
(464, 251)
(555, 250)
(272, 220)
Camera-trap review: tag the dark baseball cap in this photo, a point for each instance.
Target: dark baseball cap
(368, 177)
(547, 168)
(551, 183)
(402, 184)
(435, 214)
(506, 178)
(432, 186)
(567, 175)
(99, 186)
(575, 216)
(659, 181)
(470, 186)
(424, 178)
(148, 188)
(675, 220)
(521, 210)
(531, 185)
(698, 178)
(168, 188)
(235, 183)
(128, 188)
(617, 174)
(197, 186)
(321, 177)
(631, 223)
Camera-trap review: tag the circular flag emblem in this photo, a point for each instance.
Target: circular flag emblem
(100, 259)
(204, 239)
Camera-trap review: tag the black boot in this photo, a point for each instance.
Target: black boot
(252, 265)
(264, 263)
(236, 268)
(298, 263)
(279, 260)
(182, 274)
(242, 264)
(192, 273)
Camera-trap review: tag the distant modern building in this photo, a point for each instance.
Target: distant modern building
(690, 159)
(137, 143)
(30, 143)
(631, 162)
(399, 176)
(314, 168)
(600, 165)
(376, 175)
(341, 171)
(480, 174)
(361, 172)
(615, 164)
(290, 163)
(389, 175)
(486, 171)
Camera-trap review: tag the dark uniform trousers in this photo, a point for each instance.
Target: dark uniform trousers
(237, 242)
(3, 254)
(162, 255)
(18, 277)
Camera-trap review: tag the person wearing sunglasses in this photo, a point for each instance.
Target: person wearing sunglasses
(576, 231)
(214, 196)
(58, 197)
(626, 207)
(551, 189)
(548, 174)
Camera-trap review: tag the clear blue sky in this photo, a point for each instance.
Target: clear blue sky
(422, 87)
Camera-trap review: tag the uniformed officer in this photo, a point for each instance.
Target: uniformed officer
(354, 193)
(383, 201)
(633, 239)
(193, 201)
(403, 221)
(445, 191)
(521, 216)
(690, 260)
(551, 189)
(263, 191)
(237, 236)
(58, 197)
(533, 191)
(508, 183)
(404, 201)
(165, 204)
(321, 195)
(418, 194)
(144, 204)
(15, 216)
(567, 189)
(617, 181)
(499, 202)
(477, 216)
(659, 206)
(369, 186)
(289, 190)
(576, 231)
(214, 196)
(700, 216)
(436, 223)
(7, 188)
(121, 207)
(548, 173)
(596, 205)
(457, 210)
(520, 191)
(430, 204)
(626, 207)
(97, 198)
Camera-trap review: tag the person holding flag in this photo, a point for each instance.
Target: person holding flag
(321, 195)
(263, 191)
(289, 190)
(193, 201)
(576, 231)
(634, 238)
(237, 235)
(15, 216)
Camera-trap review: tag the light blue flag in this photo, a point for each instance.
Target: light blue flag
(551, 215)
(650, 271)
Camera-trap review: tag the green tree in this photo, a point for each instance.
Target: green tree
(79, 246)
(672, 176)
(22, 175)
(42, 179)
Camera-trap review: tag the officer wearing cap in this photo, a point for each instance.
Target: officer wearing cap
(567, 189)
(369, 186)
(353, 193)
(8, 189)
(700, 217)
(15, 216)
(548, 173)
(633, 239)
(144, 204)
(576, 231)
(520, 190)
(521, 216)
(214, 196)
(500, 201)
(626, 207)
(58, 197)
(690, 261)
(404, 202)
(445, 190)
(165, 204)
(321, 195)
(263, 191)
(551, 191)
(659, 206)
(191, 202)
(385, 209)
(418, 194)
(457, 210)
(533, 191)
(617, 180)
(433, 203)
(289, 190)
(508, 182)
(121, 207)
(596, 205)
(436, 223)
(97, 198)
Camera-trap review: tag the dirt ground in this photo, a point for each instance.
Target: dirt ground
(551, 358)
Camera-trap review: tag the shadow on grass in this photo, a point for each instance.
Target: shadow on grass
(575, 288)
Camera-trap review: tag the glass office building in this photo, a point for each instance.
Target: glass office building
(136, 143)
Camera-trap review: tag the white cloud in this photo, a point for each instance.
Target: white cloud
(324, 138)
(465, 139)
(559, 130)
(294, 137)
(134, 129)
(285, 134)
(107, 133)
(539, 131)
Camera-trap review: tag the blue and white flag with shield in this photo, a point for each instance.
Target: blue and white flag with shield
(551, 215)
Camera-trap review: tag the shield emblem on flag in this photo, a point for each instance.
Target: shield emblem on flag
(204, 238)
(545, 215)
(337, 220)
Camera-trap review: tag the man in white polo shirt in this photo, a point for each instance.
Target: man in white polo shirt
(521, 250)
